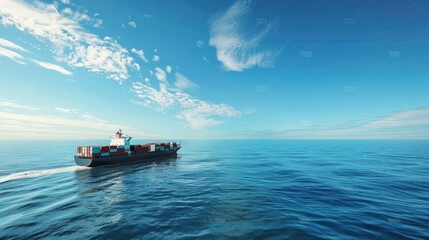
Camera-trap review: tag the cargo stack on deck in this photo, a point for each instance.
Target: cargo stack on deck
(120, 151)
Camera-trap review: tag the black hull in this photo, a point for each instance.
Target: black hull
(93, 162)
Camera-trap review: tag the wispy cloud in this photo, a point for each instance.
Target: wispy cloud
(53, 67)
(9, 104)
(197, 113)
(200, 43)
(183, 82)
(14, 56)
(236, 48)
(154, 98)
(139, 53)
(407, 124)
(59, 122)
(26, 122)
(66, 110)
(400, 119)
(200, 114)
(72, 43)
(9, 44)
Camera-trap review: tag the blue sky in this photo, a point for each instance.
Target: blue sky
(293, 69)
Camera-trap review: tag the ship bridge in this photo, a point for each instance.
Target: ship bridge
(121, 139)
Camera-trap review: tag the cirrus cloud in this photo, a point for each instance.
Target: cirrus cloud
(52, 66)
(237, 49)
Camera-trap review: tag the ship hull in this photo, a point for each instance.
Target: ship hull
(93, 162)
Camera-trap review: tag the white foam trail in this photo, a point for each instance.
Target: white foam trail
(38, 173)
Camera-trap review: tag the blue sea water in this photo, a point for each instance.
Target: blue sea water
(220, 190)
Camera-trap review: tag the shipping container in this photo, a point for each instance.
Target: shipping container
(95, 150)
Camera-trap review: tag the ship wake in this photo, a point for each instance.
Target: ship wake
(39, 173)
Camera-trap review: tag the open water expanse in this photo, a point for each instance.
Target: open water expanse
(219, 189)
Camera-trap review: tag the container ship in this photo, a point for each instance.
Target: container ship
(120, 151)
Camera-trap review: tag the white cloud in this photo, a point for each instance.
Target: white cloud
(14, 56)
(9, 44)
(160, 74)
(139, 53)
(200, 43)
(26, 122)
(91, 117)
(98, 23)
(67, 11)
(155, 58)
(234, 47)
(48, 123)
(157, 99)
(52, 66)
(132, 24)
(403, 118)
(407, 124)
(183, 82)
(10, 104)
(197, 113)
(148, 16)
(168, 68)
(66, 110)
(65, 1)
(72, 44)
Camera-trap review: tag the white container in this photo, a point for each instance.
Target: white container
(104, 154)
(113, 150)
(152, 148)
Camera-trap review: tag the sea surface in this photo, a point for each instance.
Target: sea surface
(252, 189)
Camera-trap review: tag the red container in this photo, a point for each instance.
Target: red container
(104, 148)
(121, 150)
(113, 147)
(113, 154)
(96, 155)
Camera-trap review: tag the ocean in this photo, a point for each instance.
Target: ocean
(219, 189)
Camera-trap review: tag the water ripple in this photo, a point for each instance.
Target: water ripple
(223, 189)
